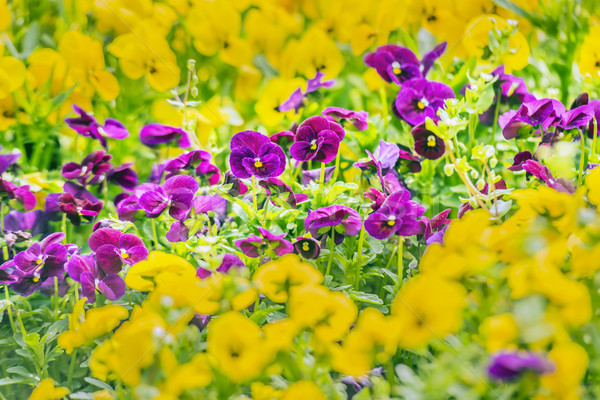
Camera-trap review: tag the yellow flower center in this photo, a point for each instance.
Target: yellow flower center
(39, 261)
(124, 255)
(397, 70)
(258, 164)
(391, 222)
(313, 146)
(36, 279)
(431, 141)
(420, 105)
(305, 246)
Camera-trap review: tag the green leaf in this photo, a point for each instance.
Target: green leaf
(11, 381)
(365, 297)
(97, 383)
(260, 315)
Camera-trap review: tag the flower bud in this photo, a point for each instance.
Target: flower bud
(449, 169)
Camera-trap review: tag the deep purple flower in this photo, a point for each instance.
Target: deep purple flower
(543, 173)
(281, 192)
(317, 138)
(91, 170)
(7, 160)
(229, 261)
(294, 102)
(531, 118)
(577, 117)
(313, 175)
(430, 57)
(397, 215)
(509, 366)
(124, 176)
(283, 138)
(511, 87)
(519, 159)
(79, 204)
(427, 143)
(113, 248)
(237, 187)
(382, 160)
(307, 247)
(358, 118)
(437, 224)
(420, 98)
(87, 125)
(214, 203)
(253, 154)
(268, 243)
(35, 222)
(178, 232)
(176, 194)
(83, 269)
(390, 185)
(196, 160)
(22, 194)
(153, 135)
(342, 220)
(394, 63)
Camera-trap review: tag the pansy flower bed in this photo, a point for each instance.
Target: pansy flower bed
(281, 200)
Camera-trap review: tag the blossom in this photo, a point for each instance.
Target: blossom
(229, 261)
(83, 269)
(253, 154)
(530, 117)
(317, 138)
(294, 102)
(153, 135)
(22, 194)
(176, 195)
(267, 243)
(113, 248)
(35, 221)
(314, 175)
(419, 98)
(427, 143)
(307, 247)
(91, 169)
(87, 125)
(543, 173)
(196, 160)
(394, 63)
(280, 192)
(7, 160)
(519, 159)
(337, 221)
(46, 390)
(383, 159)
(78, 203)
(397, 215)
(508, 366)
(123, 175)
(358, 118)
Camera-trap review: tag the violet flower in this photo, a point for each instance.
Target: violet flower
(519, 159)
(78, 203)
(397, 215)
(229, 261)
(253, 154)
(420, 98)
(22, 194)
(296, 99)
(196, 160)
(358, 118)
(87, 125)
(577, 117)
(113, 248)
(341, 220)
(35, 222)
(153, 135)
(394, 63)
(283, 139)
(509, 366)
(176, 195)
(434, 228)
(281, 192)
(91, 170)
(267, 244)
(123, 175)
(317, 138)
(307, 247)
(313, 175)
(83, 269)
(390, 185)
(533, 117)
(237, 187)
(427, 143)
(382, 160)
(429, 58)
(7, 160)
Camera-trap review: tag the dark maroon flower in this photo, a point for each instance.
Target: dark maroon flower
(281, 192)
(427, 143)
(408, 159)
(91, 170)
(519, 159)
(437, 224)
(153, 135)
(317, 138)
(267, 244)
(283, 139)
(397, 215)
(124, 176)
(394, 63)
(307, 247)
(420, 98)
(342, 220)
(79, 209)
(113, 248)
(253, 154)
(87, 125)
(229, 261)
(83, 269)
(509, 366)
(358, 118)
(176, 195)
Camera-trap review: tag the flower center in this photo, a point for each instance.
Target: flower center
(258, 164)
(422, 103)
(124, 255)
(39, 261)
(396, 68)
(392, 221)
(313, 145)
(431, 141)
(305, 246)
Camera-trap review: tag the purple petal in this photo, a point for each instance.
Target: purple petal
(112, 287)
(108, 258)
(104, 236)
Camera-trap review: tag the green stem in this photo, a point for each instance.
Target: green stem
(71, 368)
(389, 373)
(357, 272)
(331, 249)
(399, 254)
(336, 171)
(63, 227)
(594, 140)
(581, 160)
(472, 127)
(9, 309)
(254, 203)
(154, 233)
(384, 107)
(4, 248)
(321, 184)
(495, 121)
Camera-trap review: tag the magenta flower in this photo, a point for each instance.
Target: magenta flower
(519, 159)
(533, 117)
(577, 117)
(398, 215)
(317, 138)
(253, 154)
(394, 63)
(229, 261)
(153, 135)
(313, 175)
(196, 160)
(283, 138)
(307, 247)
(543, 173)
(78, 203)
(176, 195)
(509, 366)
(124, 176)
(113, 248)
(267, 244)
(434, 228)
(91, 170)
(382, 160)
(341, 220)
(420, 98)
(86, 125)
(427, 143)
(358, 118)
(83, 269)
(22, 194)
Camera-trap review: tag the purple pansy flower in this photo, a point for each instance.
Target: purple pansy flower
(281, 192)
(283, 138)
(317, 138)
(358, 118)
(176, 194)
(153, 135)
(577, 117)
(307, 247)
(87, 125)
(427, 143)
(267, 244)
(531, 117)
(382, 160)
(509, 366)
(197, 160)
(519, 159)
(113, 248)
(124, 176)
(397, 215)
(429, 58)
(83, 269)
(35, 222)
(420, 98)
(390, 185)
(294, 102)
(7, 160)
(91, 170)
(229, 261)
(342, 220)
(394, 63)
(22, 194)
(77, 202)
(434, 228)
(253, 154)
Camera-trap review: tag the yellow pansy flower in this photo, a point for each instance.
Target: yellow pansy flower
(12, 75)
(276, 91)
(499, 332)
(303, 390)
(46, 390)
(5, 17)
(140, 276)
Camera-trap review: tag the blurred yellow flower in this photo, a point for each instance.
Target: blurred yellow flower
(303, 390)
(276, 91)
(12, 75)
(499, 332)
(46, 390)
(139, 276)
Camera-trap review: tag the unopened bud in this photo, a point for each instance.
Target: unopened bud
(449, 169)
